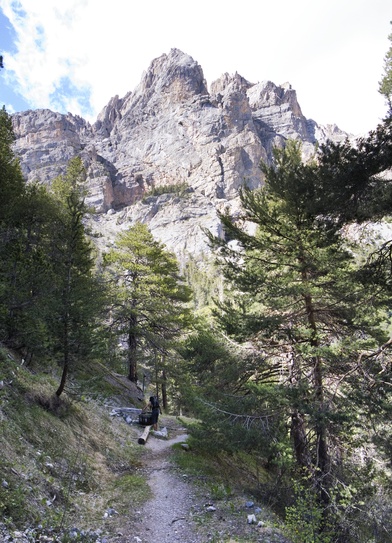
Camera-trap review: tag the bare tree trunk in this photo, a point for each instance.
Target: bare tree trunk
(322, 459)
(322, 451)
(164, 390)
(298, 435)
(132, 348)
(66, 330)
(64, 374)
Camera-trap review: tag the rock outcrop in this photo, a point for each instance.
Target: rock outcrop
(173, 136)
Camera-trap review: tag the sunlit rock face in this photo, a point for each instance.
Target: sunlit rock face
(171, 153)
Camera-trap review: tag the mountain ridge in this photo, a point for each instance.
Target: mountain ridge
(170, 131)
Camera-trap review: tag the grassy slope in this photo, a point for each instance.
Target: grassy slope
(65, 464)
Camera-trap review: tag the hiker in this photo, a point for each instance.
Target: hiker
(153, 404)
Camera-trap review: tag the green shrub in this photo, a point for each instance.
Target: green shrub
(179, 189)
(305, 518)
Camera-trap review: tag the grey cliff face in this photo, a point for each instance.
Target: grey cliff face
(170, 131)
(46, 141)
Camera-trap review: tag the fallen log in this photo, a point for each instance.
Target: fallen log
(143, 438)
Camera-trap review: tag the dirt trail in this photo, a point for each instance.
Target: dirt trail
(167, 517)
(180, 510)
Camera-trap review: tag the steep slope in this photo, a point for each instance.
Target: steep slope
(174, 136)
(71, 470)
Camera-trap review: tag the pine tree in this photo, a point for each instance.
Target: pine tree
(351, 184)
(296, 295)
(11, 180)
(76, 291)
(385, 85)
(26, 271)
(150, 304)
(25, 213)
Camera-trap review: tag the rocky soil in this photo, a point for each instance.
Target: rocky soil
(168, 516)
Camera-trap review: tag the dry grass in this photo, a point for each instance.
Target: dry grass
(64, 461)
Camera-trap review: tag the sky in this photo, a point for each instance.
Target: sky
(74, 55)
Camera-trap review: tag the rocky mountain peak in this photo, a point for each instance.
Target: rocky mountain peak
(267, 94)
(175, 69)
(170, 79)
(169, 135)
(228, 83)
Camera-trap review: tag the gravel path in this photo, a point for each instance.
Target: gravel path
(167, 517)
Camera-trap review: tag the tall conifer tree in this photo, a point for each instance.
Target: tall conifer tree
(150, 303)
(297, 296)
(385, 85)
(75, 291)
(25, 215)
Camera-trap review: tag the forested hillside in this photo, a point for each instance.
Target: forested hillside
(280, 349)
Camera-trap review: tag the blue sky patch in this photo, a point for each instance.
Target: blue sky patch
(7, 36)
(66, 91)
(9, 97)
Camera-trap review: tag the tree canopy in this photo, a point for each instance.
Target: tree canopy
(76, 288)
(385, 85)
(150, 302)
(295, 291)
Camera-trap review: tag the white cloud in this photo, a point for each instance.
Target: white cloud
(330, 51)
(9, 108)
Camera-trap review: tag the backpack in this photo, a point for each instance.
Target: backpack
(154, 402)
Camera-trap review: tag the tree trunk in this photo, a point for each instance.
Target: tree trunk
(322, 453)
(132, 345)
(64, 375)
(298, 435)
(164, 390)
(298, 423)
(60, 390)
(323, 460)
